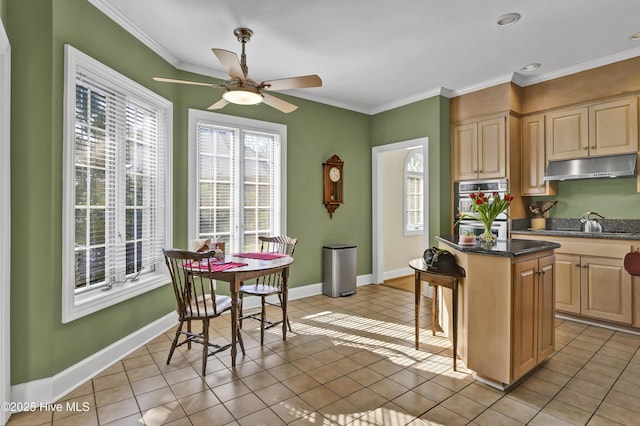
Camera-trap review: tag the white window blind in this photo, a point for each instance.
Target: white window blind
(237, 178)
(413, 193)
(116, 140)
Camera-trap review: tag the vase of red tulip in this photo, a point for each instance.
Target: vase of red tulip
(485, 209)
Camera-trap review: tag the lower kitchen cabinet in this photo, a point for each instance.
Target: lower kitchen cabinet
(592, 285)
(605, 289)
(533, 313)
(568, 283)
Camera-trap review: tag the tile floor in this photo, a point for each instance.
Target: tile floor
(351, 361)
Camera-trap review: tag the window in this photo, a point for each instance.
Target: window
(237, 179)
(413, 193)
(117, 179)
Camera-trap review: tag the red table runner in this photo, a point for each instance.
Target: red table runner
(261, 256)
(217, 267)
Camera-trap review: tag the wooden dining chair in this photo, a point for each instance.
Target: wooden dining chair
(269, 285)
(196, 299)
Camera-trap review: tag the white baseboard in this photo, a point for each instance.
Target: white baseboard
(397, 273)
(51, 389)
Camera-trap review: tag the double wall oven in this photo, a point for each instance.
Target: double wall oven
(462, 203)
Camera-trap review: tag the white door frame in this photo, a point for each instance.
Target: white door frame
(5, 220)
(377, 198)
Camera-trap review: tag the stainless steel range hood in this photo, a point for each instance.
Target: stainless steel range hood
(592, 167)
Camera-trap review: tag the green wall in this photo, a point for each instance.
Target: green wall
(41, 346)
(614, 198)
(429, 117)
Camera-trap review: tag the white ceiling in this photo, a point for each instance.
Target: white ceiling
(374, 55)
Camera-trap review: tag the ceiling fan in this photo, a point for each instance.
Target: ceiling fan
(242, 90)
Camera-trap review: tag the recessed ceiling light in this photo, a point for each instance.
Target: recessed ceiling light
(530, 67)
(508, 19)
(635, 36)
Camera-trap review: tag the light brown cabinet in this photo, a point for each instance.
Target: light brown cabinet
(534, 159)
(533, 314)
(593, 286)
(605, 289)
(479, 149)
(568, 283)
(591, 280)
(607, 128)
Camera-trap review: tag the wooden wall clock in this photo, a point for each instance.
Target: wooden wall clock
(332, 181)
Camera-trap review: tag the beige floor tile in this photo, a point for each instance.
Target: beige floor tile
(414, 403)
(110, 381)
(452, 380)
(463, 406)
(567, 412)
(114, 394)
(366, 376)
(515, 409)
(491, 417)
(441, 416)
(155, 398)
(189, 387)
(259, 380)
(84, 389)
(324, 374)
(88, 418)
(545, 419)
(631, 402)
(31, 418)
(577, 399)
(385, 367)
(551, 376)
(264, 417)
(387, 415)
(389, 390)
(231, 390)
(284, 371)
(481, 393)
(180, 375)
(541, 386)
(587, 388)
(407, 378)
(117, 410)
(143, 372)
(117, 367)
(343, 386)
(243, 406)
(197, 402)
(301, 383)
(292, 409)
(217, 415)
(163, 414)
(529, 397)
(341, 412)
(307, 364)
(319, 397)
(595, 378)
(133, 420)
(274, 394)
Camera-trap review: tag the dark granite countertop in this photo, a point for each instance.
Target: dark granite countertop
(578, 234)
(510, 248)
(613, 229)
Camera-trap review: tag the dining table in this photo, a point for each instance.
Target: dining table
(240, 267)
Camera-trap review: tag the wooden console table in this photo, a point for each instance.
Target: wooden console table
(450, 281)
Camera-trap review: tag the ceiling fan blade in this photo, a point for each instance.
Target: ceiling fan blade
(219, 105)
(195, 83)
(293, 83)
(278, 103)
(230, 62)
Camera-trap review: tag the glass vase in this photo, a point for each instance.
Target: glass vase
(487, 237)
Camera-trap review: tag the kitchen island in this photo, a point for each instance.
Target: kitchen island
(505, 307)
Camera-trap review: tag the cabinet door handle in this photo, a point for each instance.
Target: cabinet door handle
(585, 266)
(577, 265)
(593, 147)
(586, 148)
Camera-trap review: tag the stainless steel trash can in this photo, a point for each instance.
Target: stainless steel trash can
(338, 270)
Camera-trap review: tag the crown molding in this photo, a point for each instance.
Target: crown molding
(120, 19)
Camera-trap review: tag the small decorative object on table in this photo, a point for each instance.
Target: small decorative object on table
(467, 238)
(486, 211)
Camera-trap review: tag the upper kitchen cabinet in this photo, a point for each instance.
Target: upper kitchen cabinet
(479, 149)
(607, 128)
(534, 160)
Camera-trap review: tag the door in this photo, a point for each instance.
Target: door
(492, 148)
(567, 134)
(545, 308)
(534, 159)
(605, 289)
(613, 127)
(465, 151)
(525, 319)
(568, 283)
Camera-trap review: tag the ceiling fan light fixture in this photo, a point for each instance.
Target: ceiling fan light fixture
(242, 96)
(508, 19)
